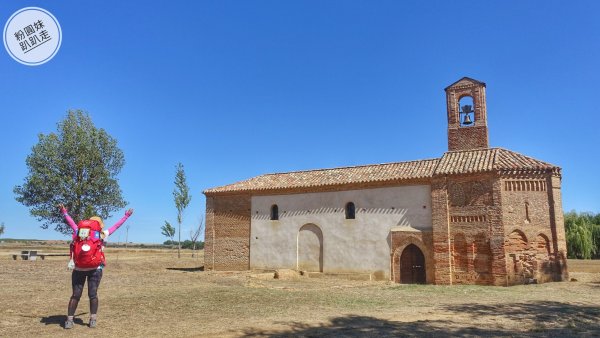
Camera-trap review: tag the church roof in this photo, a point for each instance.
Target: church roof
(488, 159)
(452, 162)
(335, 176)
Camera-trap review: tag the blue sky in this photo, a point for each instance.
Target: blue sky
(235, 89)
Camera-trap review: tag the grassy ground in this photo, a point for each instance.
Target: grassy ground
(152, 293)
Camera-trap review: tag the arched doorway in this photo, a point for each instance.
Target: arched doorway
(310, 248)
(412, 265)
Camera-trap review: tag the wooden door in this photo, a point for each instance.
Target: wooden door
(412, 266)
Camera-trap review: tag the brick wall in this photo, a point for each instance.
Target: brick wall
(496, 235)
(534, 232)
(465, 138)
(558, 226)
(227, 234)
(440, 231)
(474, 230)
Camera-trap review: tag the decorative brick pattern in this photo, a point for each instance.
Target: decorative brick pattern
(525, 185)
(474, 238)
(468, 219)
(528, 210)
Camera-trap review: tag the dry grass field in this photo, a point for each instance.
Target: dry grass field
(150, 293)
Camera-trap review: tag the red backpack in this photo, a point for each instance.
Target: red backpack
(86, 250)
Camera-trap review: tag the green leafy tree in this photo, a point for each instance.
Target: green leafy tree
(168, 231)
(1, 228)
(77, 166)
(583, 235)
(182, 198)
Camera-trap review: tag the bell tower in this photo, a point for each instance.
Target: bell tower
(467, 115)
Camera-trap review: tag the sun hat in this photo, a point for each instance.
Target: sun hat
(99, 220)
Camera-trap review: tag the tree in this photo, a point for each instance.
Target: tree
(77, 166)
(1, 228)
(168, 231)
(194, 234)
(127, 234)
(182, 199)
(582, 235)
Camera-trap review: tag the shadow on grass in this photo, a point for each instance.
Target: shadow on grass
(549, 319)
(61, 319)
(200, 268)
(541, 312)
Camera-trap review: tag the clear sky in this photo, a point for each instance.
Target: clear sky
(235, 89)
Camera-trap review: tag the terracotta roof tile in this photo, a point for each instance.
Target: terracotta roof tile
(335, 176)
(489, 159)
(452, 162)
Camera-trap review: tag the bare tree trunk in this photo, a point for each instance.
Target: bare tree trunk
(179, 243)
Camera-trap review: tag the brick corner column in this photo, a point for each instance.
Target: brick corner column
(440, 233)
(557, 223)
(495, 212)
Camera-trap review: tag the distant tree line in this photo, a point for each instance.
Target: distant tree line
(187, 244)
(583, 234)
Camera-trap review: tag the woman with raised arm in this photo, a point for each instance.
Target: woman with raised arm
(87, 254)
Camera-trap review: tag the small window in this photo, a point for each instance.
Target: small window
(350, 210)
(274, 212)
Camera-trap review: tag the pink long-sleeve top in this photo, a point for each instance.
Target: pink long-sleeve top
(106, 232)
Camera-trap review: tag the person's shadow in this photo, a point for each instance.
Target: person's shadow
(61, 319)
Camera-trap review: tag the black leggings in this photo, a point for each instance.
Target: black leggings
(78, 280)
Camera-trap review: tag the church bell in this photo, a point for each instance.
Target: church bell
(466, 110)
(467, 120)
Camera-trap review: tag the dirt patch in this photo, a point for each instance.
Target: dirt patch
(152, 293)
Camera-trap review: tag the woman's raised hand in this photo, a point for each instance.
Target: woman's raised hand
(129, 212)
(62, 207)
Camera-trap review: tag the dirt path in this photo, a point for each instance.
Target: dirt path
(151, 293)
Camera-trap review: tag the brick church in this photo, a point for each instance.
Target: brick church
(475, 215)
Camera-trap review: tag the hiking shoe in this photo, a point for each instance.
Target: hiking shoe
(69, 324)
(92, 323)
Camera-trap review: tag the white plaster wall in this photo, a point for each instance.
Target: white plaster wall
(356, 245)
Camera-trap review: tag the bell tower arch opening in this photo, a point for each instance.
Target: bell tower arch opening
(467, 115)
